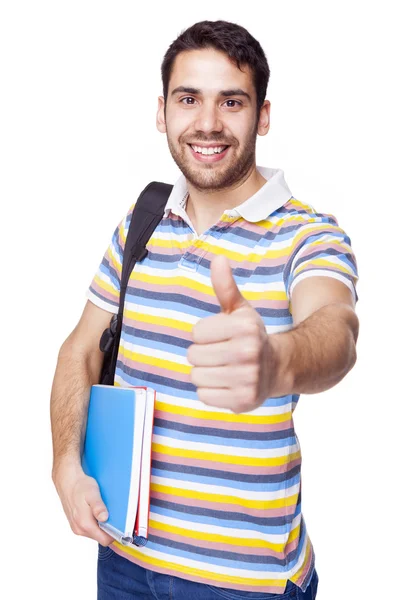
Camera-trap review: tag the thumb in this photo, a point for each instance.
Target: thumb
(97, 505)
(224, 285)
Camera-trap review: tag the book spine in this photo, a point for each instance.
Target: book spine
(142, 520)
(137, 437)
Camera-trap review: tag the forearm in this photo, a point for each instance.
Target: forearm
(77, 369)
(75, 373)
(315, 355)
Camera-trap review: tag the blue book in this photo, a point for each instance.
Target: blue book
(117, 454)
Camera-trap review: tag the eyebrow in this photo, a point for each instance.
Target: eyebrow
(224, 93)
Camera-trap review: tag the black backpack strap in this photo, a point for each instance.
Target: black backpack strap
(146, 215)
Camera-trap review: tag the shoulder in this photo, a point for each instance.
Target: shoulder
(297, 214)
(297, 220)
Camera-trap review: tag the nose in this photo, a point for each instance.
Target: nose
(208, 118)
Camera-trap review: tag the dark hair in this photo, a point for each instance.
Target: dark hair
(230, 38)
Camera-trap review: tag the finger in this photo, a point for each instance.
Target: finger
(224, 285)
(217, 328)
(222, 327)
(209, 355)
(237, 351)
(216, 377)
(99, 513)
(104, 539)
(84, 524)
(239, 401)
(225, 377)
(98, 508)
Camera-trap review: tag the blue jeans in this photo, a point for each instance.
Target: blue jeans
(120, 579)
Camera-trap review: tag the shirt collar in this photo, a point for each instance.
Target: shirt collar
(273, 194)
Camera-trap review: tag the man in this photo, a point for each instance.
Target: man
(244, 301)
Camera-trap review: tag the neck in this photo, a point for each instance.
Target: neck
(205, 208)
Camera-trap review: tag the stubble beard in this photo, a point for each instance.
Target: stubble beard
(214, 177)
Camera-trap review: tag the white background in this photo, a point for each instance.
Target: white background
(78, 142)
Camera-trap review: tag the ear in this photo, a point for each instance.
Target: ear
(263, 121)
(160, 122)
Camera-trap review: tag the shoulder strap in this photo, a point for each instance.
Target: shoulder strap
(146, 215)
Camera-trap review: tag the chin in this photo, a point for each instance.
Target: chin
(211, 177)
(212, 182)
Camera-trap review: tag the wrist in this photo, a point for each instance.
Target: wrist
(282, 381)
(65, 469)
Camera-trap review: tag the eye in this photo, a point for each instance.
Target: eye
(188, 100)
(233, 103)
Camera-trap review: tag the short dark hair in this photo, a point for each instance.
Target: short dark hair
(230, 38)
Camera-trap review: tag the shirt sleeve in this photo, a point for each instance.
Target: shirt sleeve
(321, 249)
(105, 286)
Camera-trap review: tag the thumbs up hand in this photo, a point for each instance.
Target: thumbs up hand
(234, 362)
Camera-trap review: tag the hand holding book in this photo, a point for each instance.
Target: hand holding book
(82, 502)
(117, 454)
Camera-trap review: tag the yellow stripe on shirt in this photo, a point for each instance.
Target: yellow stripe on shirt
(230, 459)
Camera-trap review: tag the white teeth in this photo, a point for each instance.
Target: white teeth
(207, 151)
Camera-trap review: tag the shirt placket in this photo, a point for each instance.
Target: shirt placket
(191, 259)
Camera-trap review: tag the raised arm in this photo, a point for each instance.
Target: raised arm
(321, 348)
(78, 367)
(237, 365)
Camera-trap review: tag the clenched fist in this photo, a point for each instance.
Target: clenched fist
(234, 361)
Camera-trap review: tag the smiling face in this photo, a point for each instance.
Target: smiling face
(211, 119)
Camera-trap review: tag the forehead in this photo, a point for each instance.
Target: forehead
(209, 70)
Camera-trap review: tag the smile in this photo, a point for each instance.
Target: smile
(208, 153)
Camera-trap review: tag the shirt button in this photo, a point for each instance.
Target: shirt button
(293, 594)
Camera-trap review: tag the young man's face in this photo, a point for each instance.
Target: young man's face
(211, 119)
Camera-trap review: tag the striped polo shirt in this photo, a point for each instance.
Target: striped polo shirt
(225, 488)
